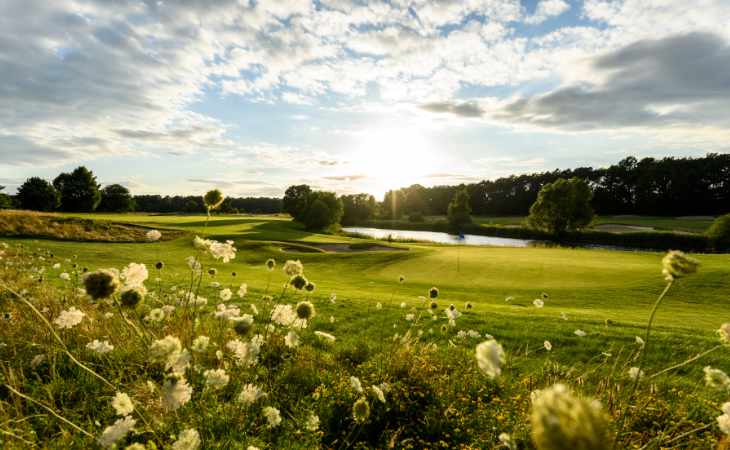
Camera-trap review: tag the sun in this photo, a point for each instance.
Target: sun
(392, 157)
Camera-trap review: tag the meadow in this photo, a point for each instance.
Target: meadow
(560, 315)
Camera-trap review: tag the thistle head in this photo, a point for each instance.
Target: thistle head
(677, 265)
(305, 310)
(101, 284)
(133, 296)
(298, 282)
(361, 410)
(433, 292)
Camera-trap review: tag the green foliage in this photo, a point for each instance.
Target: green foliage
(116, 198)
(79, 190)
(459, 212)
(564, 205)
(393, 205)
(296, 201)
(324, 210)
(719, 233)
(357, 208)
(5, 201)
(37, 194)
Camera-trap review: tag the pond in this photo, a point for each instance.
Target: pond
(438, 237)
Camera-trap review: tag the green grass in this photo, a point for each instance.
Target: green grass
(683, 224)
(606, 293)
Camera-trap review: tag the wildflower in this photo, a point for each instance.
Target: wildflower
(305, 310)
(212, 271)
(283, 315)
(361, 410)
(225, 294)
(325, 336)
(299, 282)
(57, 266)
(134, 274)
(242, 325)
(293, 268)
(716, 378)
(200, 344)
(188, 439)
(175, 392)
(508, 299)
(312, 423)
(309, 287)
(563, 316)
(378, 306)
(723, 421)
(403, 304)
(356, 385)
(333, 298)
(193, 264)
(132, 296)
(548, 346)
(69, 318)
(246, 353)
(538, 303)
(250, 394)
(270, 264)
(167, 350)
(273, 417)
(580, 333)
(544, 296)
(227, 312)
(468, 305)
(490, 356)
(155, 315)
(122, 404)
(218, 250)
(561, 420)
(216, 378)
(242, 290)
(116, 432)
(153, 235)
(101, 284)
(401, 279)
(378, 393)
(506, 441)
(332, 319)
(635, 373)
(254, 309)
(410, 317)
(724, 333)
(677, 265)
(433, 292)
(64, 276)
(291, 339)
(135, 446)
(640, 342)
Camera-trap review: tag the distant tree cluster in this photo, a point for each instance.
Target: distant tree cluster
(662, 187)
(78, 191)
(317, 210)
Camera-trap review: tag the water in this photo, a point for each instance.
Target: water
(438, 237)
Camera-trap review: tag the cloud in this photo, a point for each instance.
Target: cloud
(547, 9)
(465, 109)
(346, 177)
(678, 80)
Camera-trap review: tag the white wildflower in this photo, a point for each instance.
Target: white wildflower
(293, 268)
(356, 385)
(200, 344)
(580, 333)
(312, 423)
(538, 303)
(716, 378)
(636, 373)
(100, 347)
(225, 294)
(69, 318)
(64, 276)
(273, 417)
(153, 235)
(134, 275)
(175, 392)
(122, 404)
(378, 393)
(188, 439)
(116, 432)
(216, 378)
(548, 346)
(291, 339)
(250, 394)
(325, 336)
(490, 357)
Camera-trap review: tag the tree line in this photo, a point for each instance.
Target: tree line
(648, 186)
(78, 191)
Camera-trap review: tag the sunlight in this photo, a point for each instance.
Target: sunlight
(392, 157)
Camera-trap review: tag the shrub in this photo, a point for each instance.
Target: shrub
(564, 205)
(460, 209)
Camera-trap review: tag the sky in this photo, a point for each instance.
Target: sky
(177, 97)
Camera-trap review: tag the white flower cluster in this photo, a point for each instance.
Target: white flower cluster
(218, 250)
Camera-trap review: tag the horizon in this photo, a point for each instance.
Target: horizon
(352, 96)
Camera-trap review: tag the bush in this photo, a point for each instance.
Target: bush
(719, 233)
(564, 205)
(459, 209)
(38, 194)
(324, 210)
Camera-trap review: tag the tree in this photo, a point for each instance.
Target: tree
(393, 204)
(324, 209)
(563, 205)
(357, 208)
(459, 209)
(296, 201)
(719, 233)
(38, 194)
(79, 190)
(116, 198)
(5, 201)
